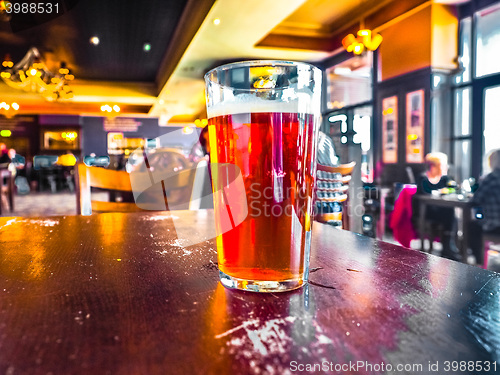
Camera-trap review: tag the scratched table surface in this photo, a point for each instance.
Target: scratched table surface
(122, 294)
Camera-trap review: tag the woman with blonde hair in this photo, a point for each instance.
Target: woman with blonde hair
(436, 178)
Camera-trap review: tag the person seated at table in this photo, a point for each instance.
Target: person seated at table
(16, 159)
(436, 178)
(487, 199)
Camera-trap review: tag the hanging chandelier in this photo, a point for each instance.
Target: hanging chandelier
(366, 39)
(32, 75)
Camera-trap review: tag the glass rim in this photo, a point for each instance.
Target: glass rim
(257, 63)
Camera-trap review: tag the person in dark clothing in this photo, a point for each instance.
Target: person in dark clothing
(487, 199)
(4, 155)
(200, 149)
(436, 178)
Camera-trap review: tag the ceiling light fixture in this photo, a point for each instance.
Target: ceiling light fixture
(32, 75)
(201, 123)
(8, 110)
(217, 21)
(365, 40)
(69, 136)
(5, 11)
(108, 108)
(187, 130)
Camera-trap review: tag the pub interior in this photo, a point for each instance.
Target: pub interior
(118, 86)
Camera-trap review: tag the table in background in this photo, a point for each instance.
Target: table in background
(450, 201)
(55, 177)
(121, 294)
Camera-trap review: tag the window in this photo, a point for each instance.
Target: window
(362, 125)
(462, 159)
(491, 125)
(462, 134)
(462, 123)
(349, 83)
(464, 57)
(488, 41)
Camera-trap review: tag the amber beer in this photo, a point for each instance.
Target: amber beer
(274, 152)
(263, 125)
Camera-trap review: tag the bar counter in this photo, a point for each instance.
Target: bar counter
(119, 293)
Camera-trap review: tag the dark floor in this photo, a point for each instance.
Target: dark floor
(64, 203)
(43, 204)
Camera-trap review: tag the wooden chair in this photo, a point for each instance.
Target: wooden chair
(148, 195)
(96, 177)
(332, 185)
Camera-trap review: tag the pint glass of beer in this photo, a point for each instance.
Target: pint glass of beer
(263, 123)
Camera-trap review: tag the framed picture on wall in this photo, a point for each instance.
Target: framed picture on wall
(415, 126)
(390, 129)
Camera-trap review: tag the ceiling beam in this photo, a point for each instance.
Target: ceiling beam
(192, 17)
(325, 44)
(379, 12)
(79, 108)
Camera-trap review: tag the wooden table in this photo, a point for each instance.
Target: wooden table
(119, 294)
(450, 201)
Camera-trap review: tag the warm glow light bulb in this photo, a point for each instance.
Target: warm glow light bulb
(15, 106)
(217, 21)
(94, 40)
(33, 72)
(358, 48)
(116, 108)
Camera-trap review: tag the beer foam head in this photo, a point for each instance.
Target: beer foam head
(261, 102)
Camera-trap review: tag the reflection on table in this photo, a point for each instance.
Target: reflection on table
(120, 293)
